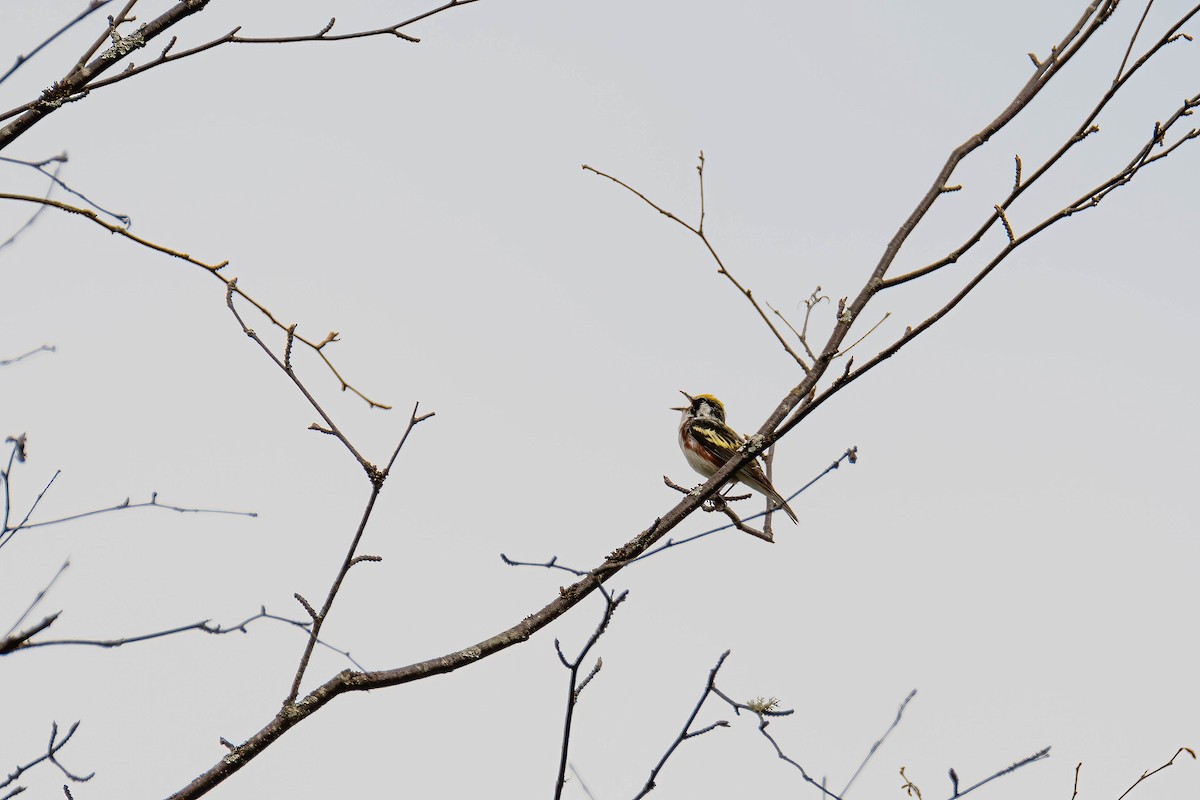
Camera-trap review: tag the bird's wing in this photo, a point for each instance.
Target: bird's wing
(720, 440)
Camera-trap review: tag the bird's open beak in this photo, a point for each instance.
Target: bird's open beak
(689, 405)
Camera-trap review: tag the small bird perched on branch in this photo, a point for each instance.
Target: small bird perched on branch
(708, 444)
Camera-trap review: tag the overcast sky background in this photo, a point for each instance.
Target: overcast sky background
(1017, 542)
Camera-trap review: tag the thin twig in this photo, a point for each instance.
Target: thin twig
(686, 732)
(1077, 136)
(377, 478)
(880, 741)
(34, 216)
(1143, 158)
(575, 686)
(850, 455)
(331, 428)
(51, 755)
(58, 160)
(764, 709)
(203, 626)
(7, 534)
(812, 302)
(126, 506)
(46, 348)
(910, 788)
(699, 232)
(857, 341)
(230, 284)
(1038, 756)
(797, 403)
(1132, 39)
(580, 781)
(717, 503)
(113, 23)
(18, 640)
(84, 78)
(553, 564)
(39, 597)
(1148, 773)
(93, 6)
(232, 37)
(792, 328)
(802, 399)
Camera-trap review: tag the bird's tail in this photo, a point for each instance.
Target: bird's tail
(778, 502)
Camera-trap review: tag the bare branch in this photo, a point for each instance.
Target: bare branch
(858, 341)
(909, 787)
(125, 505)
(377, 478)
(575, 686)
(46, 348)
(7, 533)
(92, 6)
(1093, 17)
(110, 33)
(850, 455)
(582, 785)
(686, 733)
(203, 626)
(1090, 199)
(764, 709)
(698, 230)
(814, 299)
(718, 503)
(83, 79)
(37, 599)
(1132, 39)
(295, 710)
(312, 612)
(798, 403)
(1007, 225)
(1038, 756)
(20, 639)
(875, 747)
(230, 284)
(51, 755)
(1086, 127)
(803, 399)
(34, 216)
(331, 427)
(74, 86)
(1148, 773)
(58, 161)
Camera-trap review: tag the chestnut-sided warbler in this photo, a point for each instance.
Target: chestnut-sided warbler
(708, 443)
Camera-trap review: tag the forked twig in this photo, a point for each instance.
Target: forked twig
(22, 60)
(575, 686)
(126, 505)
(58, 161)
(377, 477)
(85, 76)
(698, 230)
(686, 732)
(51, 755)
(214, 269)
(203, 626)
